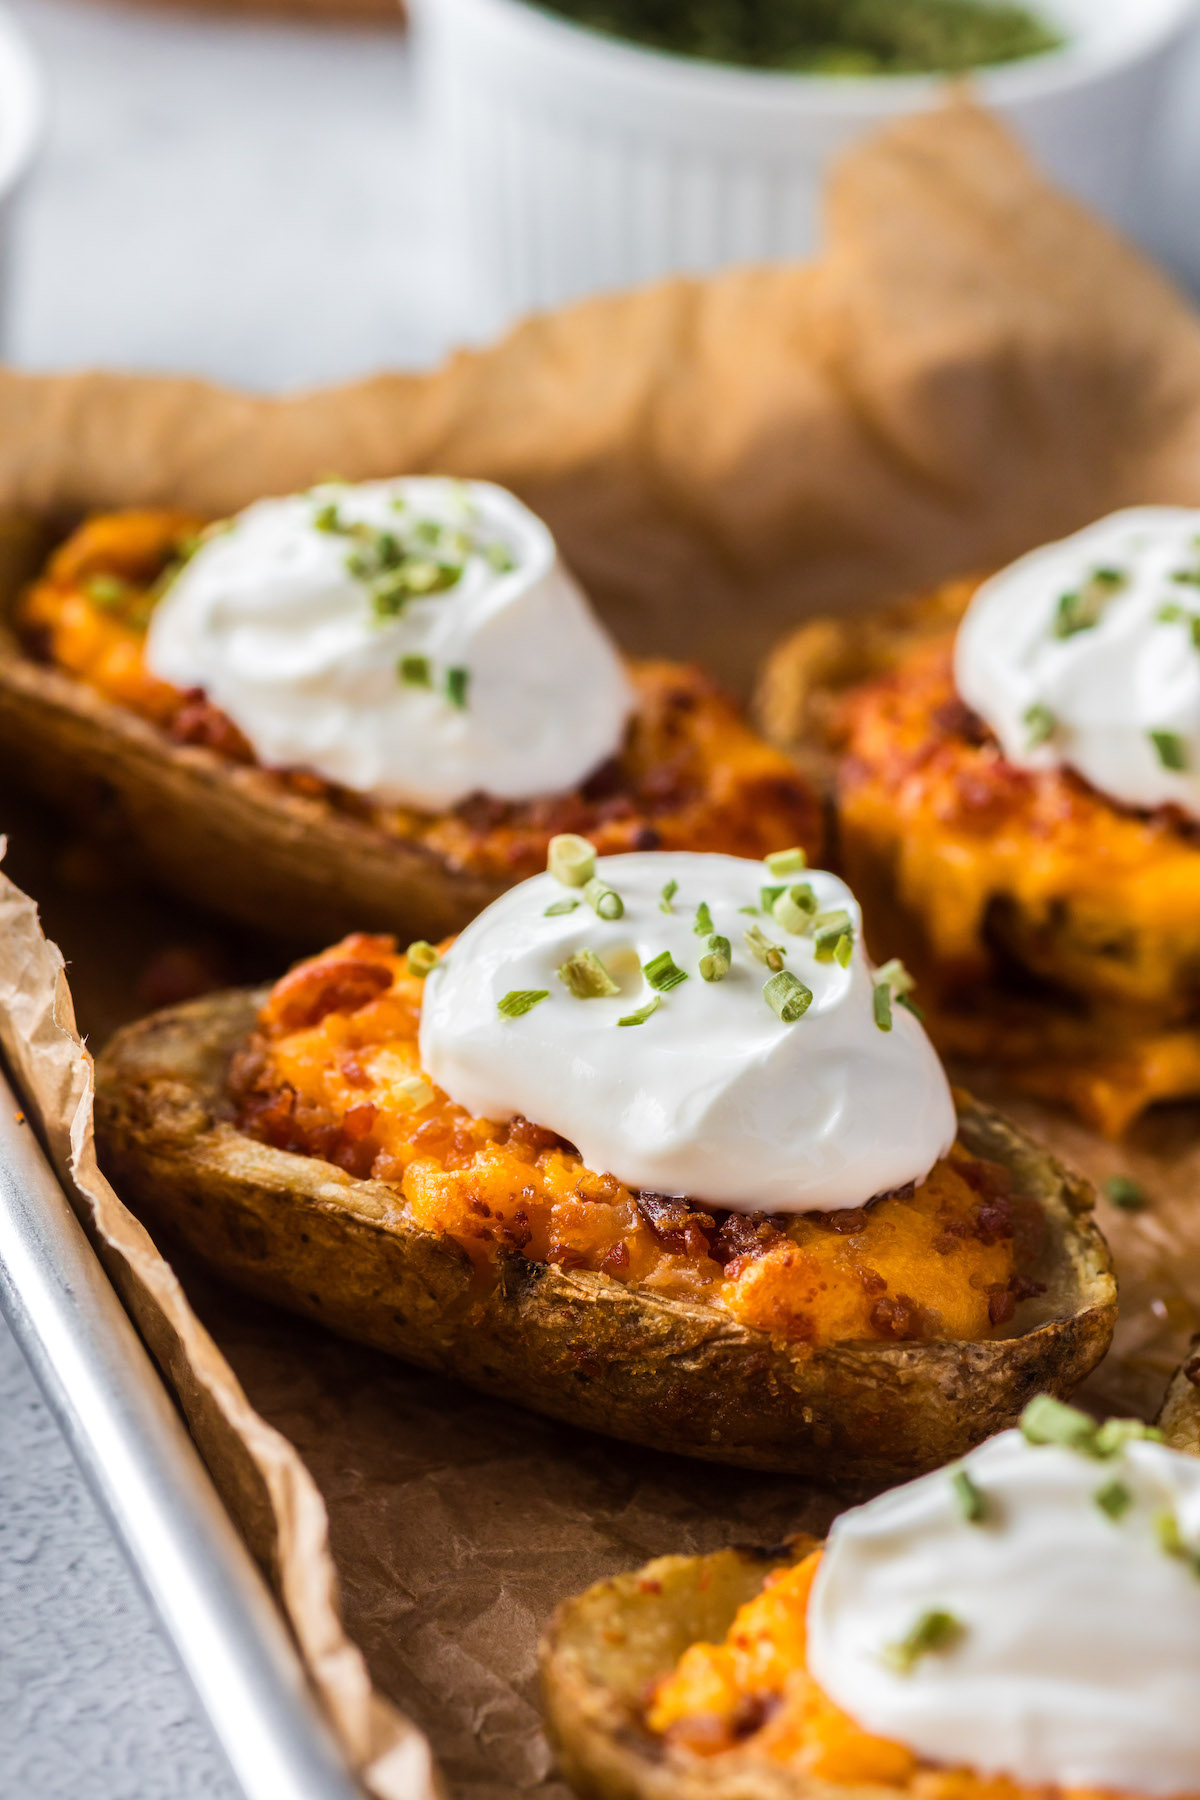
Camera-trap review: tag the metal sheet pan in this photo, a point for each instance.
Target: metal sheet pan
(144, 1469)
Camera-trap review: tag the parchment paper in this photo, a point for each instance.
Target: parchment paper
(973, 366)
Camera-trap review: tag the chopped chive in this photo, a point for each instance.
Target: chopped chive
(1114, 1498)
(829, 928)
(670, 889)
(643, 1012)
(1040, 725)
(1191, 577)
(717, 961)
(1194, 628)
(1125, 1193)
(1049, 1421)
(421, 958)
(1171, 748)
(972, 1502)
(751, 910)
(501, 558)
(897, 977)
(559, 907)
(934, 1630)
(1171, 613)
(1114, 1434)
(663, 972)
(787, 996)
(767, 897)
(413, 1088)
(416, 671)
(704, 924)
(760, 946)
(882, 1004)
(603, 901)
(843, 950)
(787, 862)
(519, 1001)
(1082, 610)
(586, 977)
(795, 908)
(457, 681)
(1172, 1541)
(327, 517)
(571, 859)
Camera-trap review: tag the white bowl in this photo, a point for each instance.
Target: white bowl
(574, 162)
(22, 111)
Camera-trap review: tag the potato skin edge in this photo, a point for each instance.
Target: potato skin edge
(574, 1345)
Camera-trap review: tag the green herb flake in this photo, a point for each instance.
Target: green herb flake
(760, 946)
(1171, 748)
(787, 862)
(421, 958)
(457, 682)
(670, 889)
(327, 517)
(559, 907)
(500, 557)
(1049, 1421)
(603, 900)
(1114, 1499)
(1083, 610)
(1172, 1542)
(1040, 725)
(643, 1013)
(1126, 1193)
(717, 960)
(767, 897)
(1189, 577)
(795, 908)
(750, 911)
(415, 671)
(829, 930)
(970, 1499)
(703, 926)
(1114, 1434)
(1171, 613)
(663, 972)
(519, 1001)
(933, 1631)
(571, 859)
(586, 977)
(787, 996)
(881, 1001)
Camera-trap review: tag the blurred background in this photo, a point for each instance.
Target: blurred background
(281, 201)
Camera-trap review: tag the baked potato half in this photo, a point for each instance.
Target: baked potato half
(574, 1344)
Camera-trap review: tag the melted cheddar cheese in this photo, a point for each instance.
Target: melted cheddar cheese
(691, 775)
(334, 1071)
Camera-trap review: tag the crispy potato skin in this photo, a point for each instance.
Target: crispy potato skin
(1053, 932)
(84, 723)
(573, 1344)
(1180, 1414)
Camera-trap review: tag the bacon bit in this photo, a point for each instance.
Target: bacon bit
(900, 1317)
(359, 1120)
(751, 1713)
(648, 1585)
(198, 721)
(845, 1223)
(314, 990)
(741, 1238)
(566, 1257)
(352, 1071)
(872, 1281)
(616, 1262)
(528, 1139)
(956, 719)
(678, 1228)
(517, 1231)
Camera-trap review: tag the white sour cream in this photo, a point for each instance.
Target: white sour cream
(1079, 1656)
(712, 1097)
(501, 682)
(1068, 656)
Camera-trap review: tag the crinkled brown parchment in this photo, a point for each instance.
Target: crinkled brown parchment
(973, 366)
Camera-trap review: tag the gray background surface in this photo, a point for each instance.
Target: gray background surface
(248, 202)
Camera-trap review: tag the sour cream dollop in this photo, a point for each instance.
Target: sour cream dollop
(713, 1096)
(1082, 653)
(1078, 1657)
(415, 640)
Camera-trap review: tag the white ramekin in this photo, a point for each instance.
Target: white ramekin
(573, 162)
(22, 110)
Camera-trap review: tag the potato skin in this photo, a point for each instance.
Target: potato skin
(1179, 1417)
(576, 1345)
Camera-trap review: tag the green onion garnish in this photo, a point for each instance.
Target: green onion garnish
(1171, 1540)
(643, 1013)
(881, 1001)
(1171, 613)
(416, 671)
(500, 557)
(716, 963)
(413, 1088)
(972, 1502)
(326, 518)
(1040, 725)
(571, 859)
(1191, 577)
(663, 972)
(934, 1630)
(603, 901)
(829, 930)
(560, 907)
(704, 924)
(1125, 1193)
(767, 897)
(760, 946)
(787, 862)
(751, 910)
(585, 976)
(670, 889)
(1048, 1421)
(520, 1001)
(795, 908)
(421, 958)
(1114, 1498)
(787, 996)
(1171, 748)
(1114, 1434)
(457, 681)
(1083, 610)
